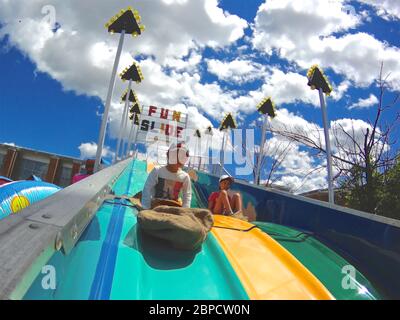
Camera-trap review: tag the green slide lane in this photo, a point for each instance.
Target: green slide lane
(324, 263)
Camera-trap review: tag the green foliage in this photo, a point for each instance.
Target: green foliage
(373, 192)
(389, 204)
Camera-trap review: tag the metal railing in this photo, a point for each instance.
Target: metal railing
(205, 164)
(29, 238)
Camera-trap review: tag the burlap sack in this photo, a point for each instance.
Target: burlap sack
(184, 228)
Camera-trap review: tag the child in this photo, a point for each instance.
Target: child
(165, 184)
(225, 201)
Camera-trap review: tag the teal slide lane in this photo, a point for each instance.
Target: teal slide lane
(113, 260)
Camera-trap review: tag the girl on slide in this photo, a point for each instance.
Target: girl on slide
(225, 201)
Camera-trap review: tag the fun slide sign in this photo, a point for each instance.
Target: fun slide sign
(160, 124)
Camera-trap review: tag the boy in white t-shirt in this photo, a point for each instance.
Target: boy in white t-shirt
(166, 184)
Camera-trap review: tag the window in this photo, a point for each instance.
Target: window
(31, 167)
(65, 177)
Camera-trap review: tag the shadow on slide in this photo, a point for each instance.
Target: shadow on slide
(157, 253)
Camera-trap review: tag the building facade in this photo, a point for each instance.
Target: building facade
(323, 195)
(19, 163)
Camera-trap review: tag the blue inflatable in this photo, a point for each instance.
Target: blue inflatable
(15, 196)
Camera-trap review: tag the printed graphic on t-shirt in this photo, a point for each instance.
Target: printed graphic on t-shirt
(168, 189)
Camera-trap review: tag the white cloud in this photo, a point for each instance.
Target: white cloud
(356, 128)
(303, 32)
(286, 120)
(298, 170)
(88, 150)
(10, 144)
(349, 148)
(236, 71)
(190, 64)
(372, 100)
(171, 29)
(85, 38)
(223, 19)
(81, 53)
(288, 25)
(340, 90)
(175, 1)
(387, 9)
(289, 87)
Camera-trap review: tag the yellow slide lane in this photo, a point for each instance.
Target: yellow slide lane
(150, 166)
(265, 268)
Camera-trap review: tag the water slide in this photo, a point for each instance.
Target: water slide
(239, 260)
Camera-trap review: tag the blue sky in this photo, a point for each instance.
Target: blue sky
(210, 61)
(37, 113)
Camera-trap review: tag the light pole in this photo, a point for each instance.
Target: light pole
(227, 123)
(317, 80)
(132, 73)
(266, 108)
(136, 117)
(198, 147)
(135, 112)
(209, 134)
(123, 121)
(125, 22)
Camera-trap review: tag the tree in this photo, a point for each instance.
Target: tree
(275, 151)
(389, 204)
(361, 157)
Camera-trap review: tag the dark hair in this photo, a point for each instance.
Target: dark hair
(219, 184)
